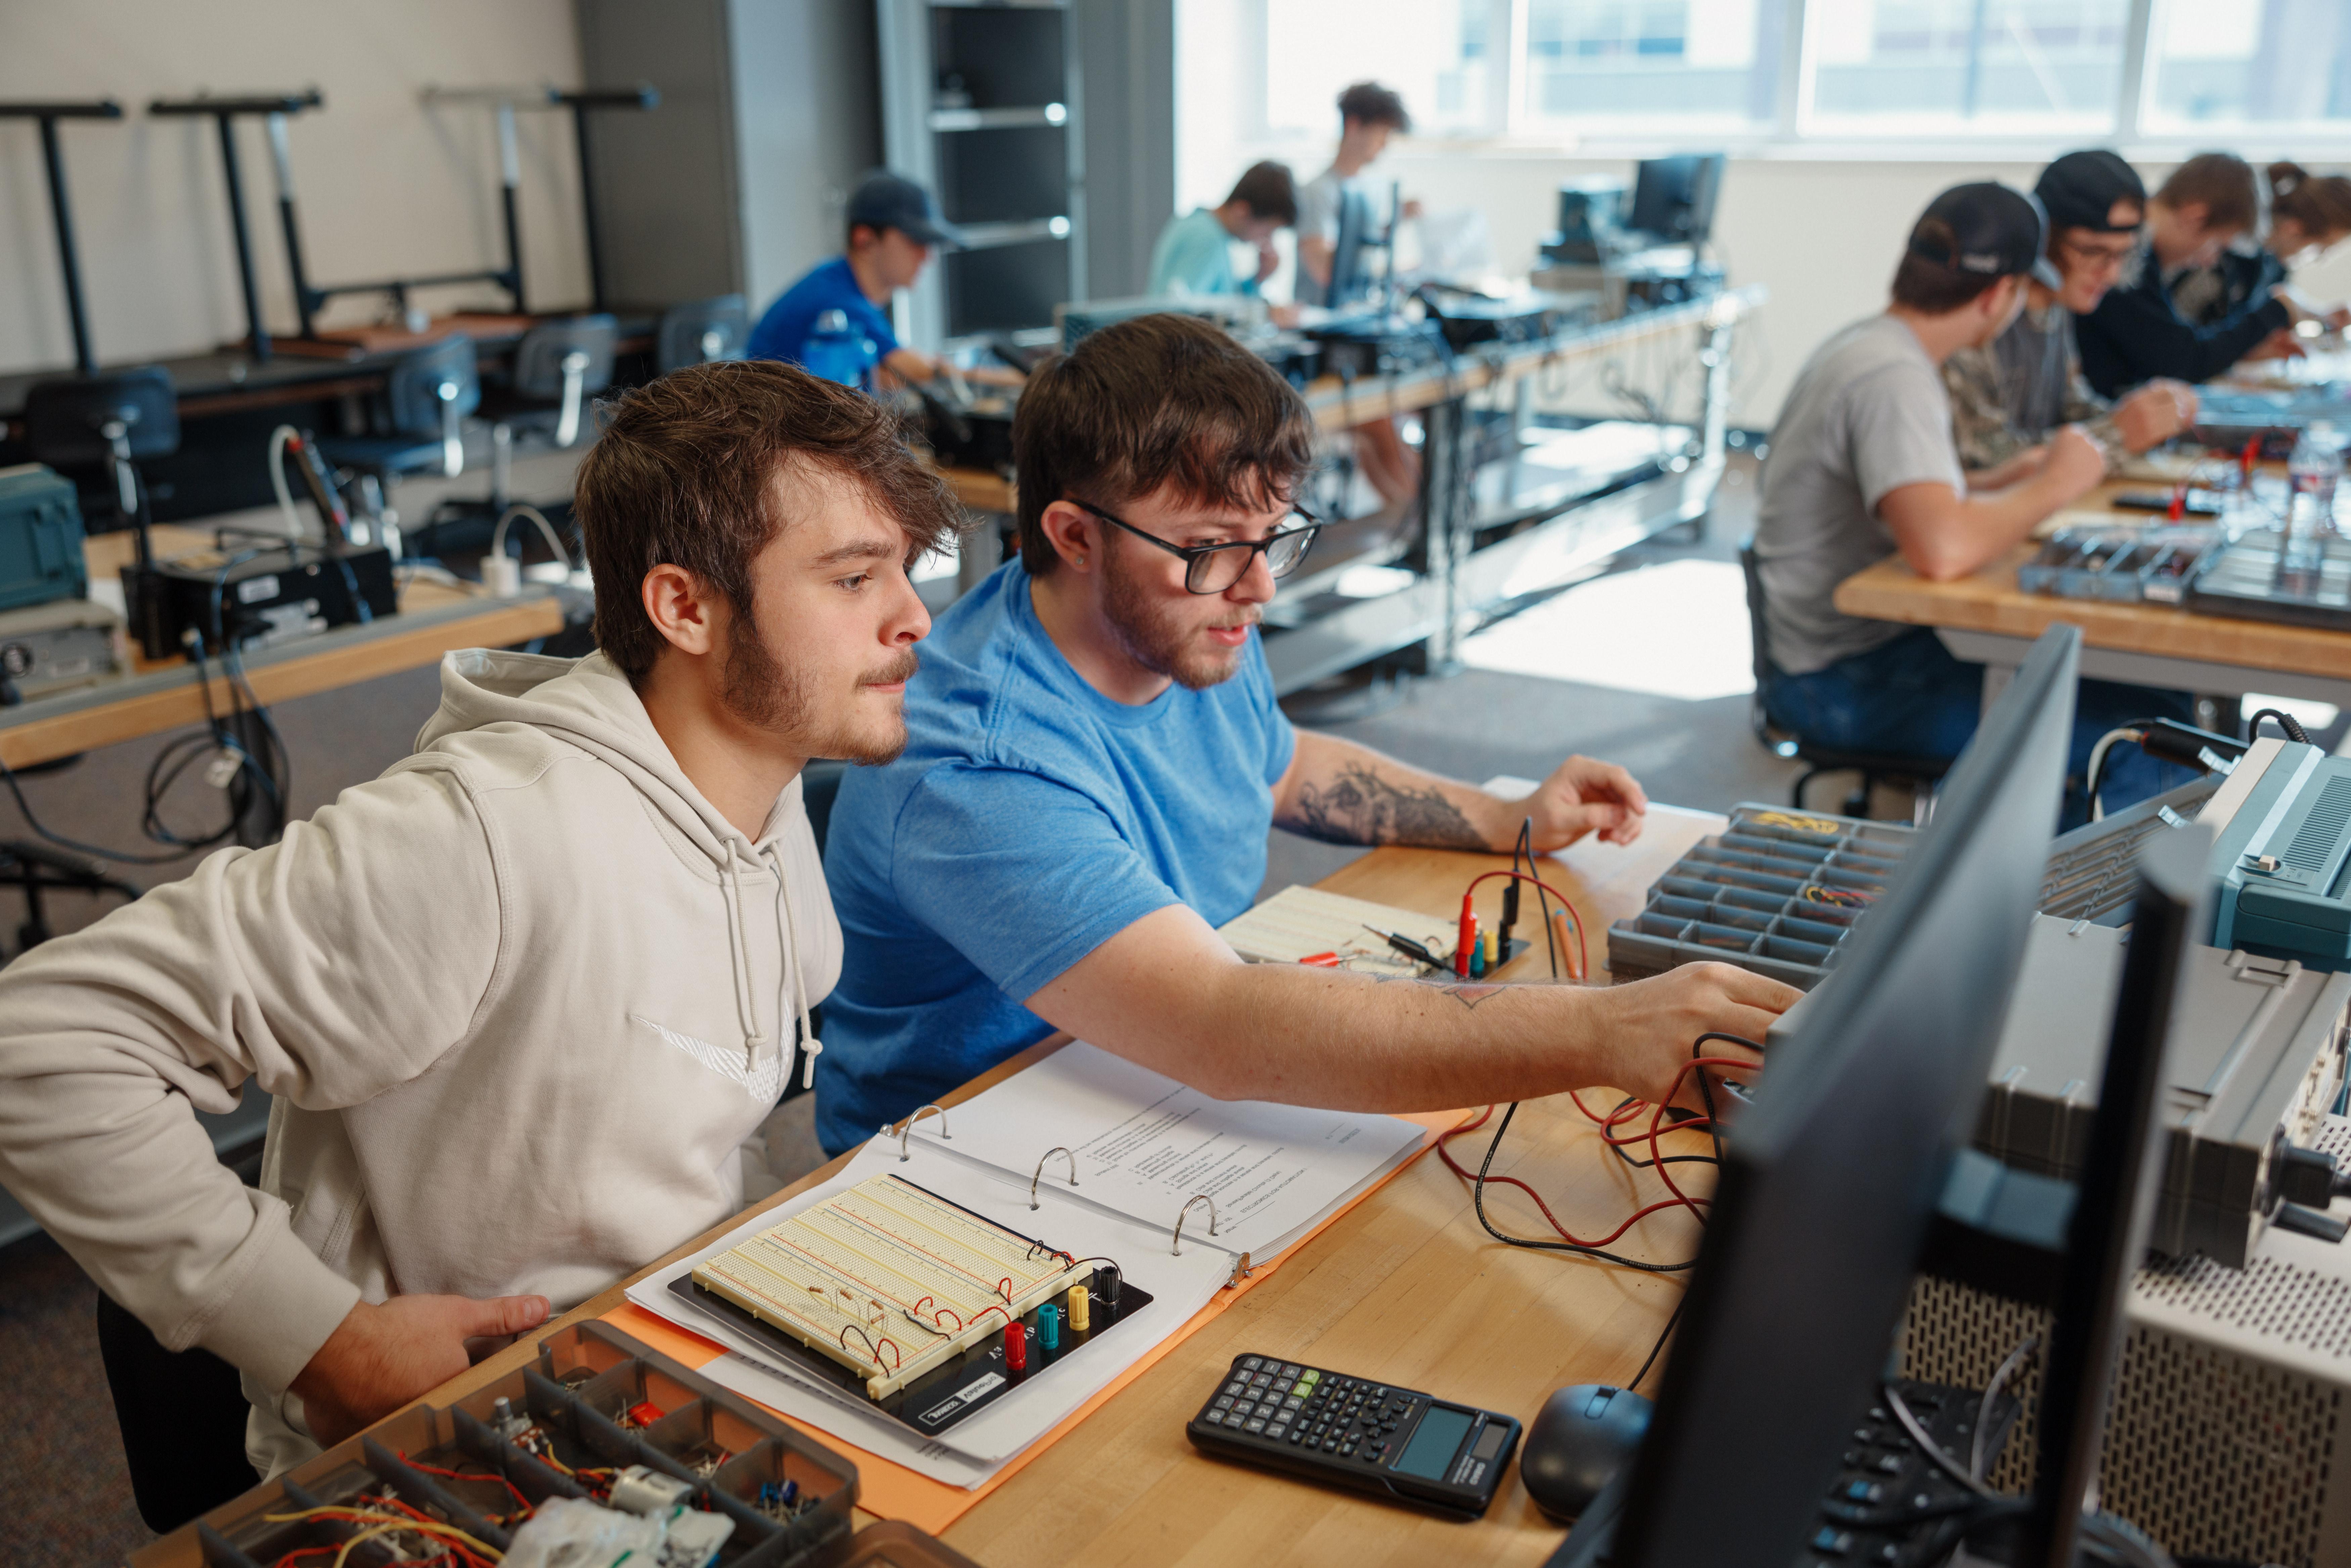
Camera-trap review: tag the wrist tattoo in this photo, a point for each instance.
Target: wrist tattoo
(1359, 807)
(1468, 993)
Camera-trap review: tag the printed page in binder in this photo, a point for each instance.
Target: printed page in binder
(1145, 1145)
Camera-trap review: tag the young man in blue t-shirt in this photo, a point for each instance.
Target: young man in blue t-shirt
(1095, 757)
(892, 229)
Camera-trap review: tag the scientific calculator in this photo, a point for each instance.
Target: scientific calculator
(1354, 1432)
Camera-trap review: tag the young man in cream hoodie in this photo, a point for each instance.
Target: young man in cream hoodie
(522, 1000)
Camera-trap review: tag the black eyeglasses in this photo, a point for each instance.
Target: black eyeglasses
(1213, 568)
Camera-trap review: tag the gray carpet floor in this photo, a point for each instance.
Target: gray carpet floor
(67, 1488)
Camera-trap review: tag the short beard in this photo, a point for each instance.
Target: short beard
(764, 695)
(1152, 634)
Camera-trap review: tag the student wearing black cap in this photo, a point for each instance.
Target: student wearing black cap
(1864, 465)
(2137, 332)
(2009, 393)
(892, 229)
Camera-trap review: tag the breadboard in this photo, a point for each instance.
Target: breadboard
(1302, 922)
(888, 1279)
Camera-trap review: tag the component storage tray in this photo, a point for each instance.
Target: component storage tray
(1774, 892)
(587, 1378)
(2125, 565)
(1778, 899)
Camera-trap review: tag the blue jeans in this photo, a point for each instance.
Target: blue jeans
(1911, 696)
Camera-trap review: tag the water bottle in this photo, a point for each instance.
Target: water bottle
(837, 350)
(2311, 475)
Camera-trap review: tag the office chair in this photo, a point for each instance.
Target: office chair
(558, 367)
(106, 423)
(1873, 765)
(419, 419)
(699, 331)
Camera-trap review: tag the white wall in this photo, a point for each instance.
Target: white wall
(387, 186)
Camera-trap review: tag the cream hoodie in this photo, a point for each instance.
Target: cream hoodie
(522, 1001)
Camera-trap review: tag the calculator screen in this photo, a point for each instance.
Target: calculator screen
(1434, 1443)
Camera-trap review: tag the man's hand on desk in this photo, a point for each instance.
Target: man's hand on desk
(1582, 796)
(2074, 466)
(1654, 1022)
(380, 1357)
(2155, 413)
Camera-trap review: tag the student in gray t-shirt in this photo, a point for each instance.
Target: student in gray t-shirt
(1863, 467)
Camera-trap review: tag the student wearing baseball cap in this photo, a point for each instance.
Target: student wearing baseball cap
(2138, 332)
(1864, 465)
(892, 229)
(2008, 395)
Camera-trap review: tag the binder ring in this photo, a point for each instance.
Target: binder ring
(906, 1127)
(1178, 1249)
(1048, 1155)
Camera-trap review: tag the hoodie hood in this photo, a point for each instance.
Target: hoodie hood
(590, 704)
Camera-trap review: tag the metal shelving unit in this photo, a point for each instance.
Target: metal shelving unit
(981, 103)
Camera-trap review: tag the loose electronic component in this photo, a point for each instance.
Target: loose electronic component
(930, 1310)
(1356, 1433)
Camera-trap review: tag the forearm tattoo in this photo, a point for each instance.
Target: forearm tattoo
(1359, 807)
(1468, 993)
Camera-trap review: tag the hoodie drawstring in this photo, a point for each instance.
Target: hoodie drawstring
(813, 1046)
(738, 955)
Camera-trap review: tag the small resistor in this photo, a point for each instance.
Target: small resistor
(1078, 1302)
(1049, 1327)
(1016, 1347)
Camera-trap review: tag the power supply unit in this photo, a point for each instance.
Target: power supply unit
(2227, 1433)
(2257, 1061)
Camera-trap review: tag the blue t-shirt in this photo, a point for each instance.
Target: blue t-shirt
(784, 330)
(1030, 820)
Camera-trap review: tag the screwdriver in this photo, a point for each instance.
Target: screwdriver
(1407, 947)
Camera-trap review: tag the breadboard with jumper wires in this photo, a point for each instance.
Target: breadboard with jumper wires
(928, 1309)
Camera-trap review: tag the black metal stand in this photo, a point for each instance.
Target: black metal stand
(581, 102)
(61, 210)
(224, 112)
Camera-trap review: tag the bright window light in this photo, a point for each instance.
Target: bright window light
(1678, 630)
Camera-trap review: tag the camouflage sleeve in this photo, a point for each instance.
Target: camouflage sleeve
(2093, 413)
(1979, 421)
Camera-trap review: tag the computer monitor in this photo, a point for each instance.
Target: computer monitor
(1673, 198)
(1350, 272)
(1829, 1178)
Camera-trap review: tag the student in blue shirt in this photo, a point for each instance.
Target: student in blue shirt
(1195, 253)
(1094, 758)
(892, 229)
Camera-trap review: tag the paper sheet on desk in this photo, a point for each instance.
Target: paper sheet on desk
(1146, 1143)
(976, 1447)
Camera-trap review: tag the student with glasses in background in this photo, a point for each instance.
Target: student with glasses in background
(2009, 395)
(1095, 760)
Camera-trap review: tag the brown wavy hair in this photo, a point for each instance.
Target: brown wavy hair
(2321, 203)
(684, 474)
(1150, 401)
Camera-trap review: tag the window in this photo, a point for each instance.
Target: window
(1438, 54)
(1939, 65)
(2283, 63)
(1694, 62)
(1726, 72)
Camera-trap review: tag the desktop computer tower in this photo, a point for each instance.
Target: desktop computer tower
(2227, 1432)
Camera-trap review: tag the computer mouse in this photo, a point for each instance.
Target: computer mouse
(1580, 1438)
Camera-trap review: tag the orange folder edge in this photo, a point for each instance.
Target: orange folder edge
(891, 1490)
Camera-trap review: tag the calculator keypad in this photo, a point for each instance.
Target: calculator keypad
(1305, 1408)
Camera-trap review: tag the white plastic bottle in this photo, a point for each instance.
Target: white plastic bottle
(2312, 474)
